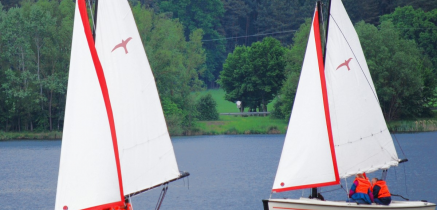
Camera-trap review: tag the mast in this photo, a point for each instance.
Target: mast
(320, 17)
(95, 19)
(326, 32)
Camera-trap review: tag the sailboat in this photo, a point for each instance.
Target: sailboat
(115, 141)
(336, 128)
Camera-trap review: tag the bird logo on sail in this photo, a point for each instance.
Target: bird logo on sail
(122, 44)
(346, 63)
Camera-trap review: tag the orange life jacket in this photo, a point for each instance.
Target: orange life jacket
(363, 185)
(383, 192)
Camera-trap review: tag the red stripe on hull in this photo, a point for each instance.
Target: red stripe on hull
(103, 86)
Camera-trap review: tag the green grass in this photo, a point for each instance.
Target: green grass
(224, 106)
(243, 125)
(237, 124)
(31, 135)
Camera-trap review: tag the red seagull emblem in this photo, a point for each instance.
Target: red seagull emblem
(122, 44)
(346, 63)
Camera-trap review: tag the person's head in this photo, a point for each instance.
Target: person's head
(374, 180)
(360, 176)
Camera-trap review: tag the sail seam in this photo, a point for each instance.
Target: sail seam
(103, 87)
(362, 138)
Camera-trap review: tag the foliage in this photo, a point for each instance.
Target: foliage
(205, 15)
(207, 108)
(176, 64)
(417, 25)
(35, 46)
(254, 74)
(294, 59)
(398, 69)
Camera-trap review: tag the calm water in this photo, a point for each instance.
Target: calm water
(227, 172)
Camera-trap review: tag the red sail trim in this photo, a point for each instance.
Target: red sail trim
(327, 115)
(103, 86)
(324, 92)
(106, 206)
(304, 187)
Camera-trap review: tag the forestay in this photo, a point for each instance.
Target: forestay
(362, 140)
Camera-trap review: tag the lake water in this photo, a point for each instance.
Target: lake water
(227, 172)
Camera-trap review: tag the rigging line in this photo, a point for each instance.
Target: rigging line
(236, 37)
(92, 17)
(368, 82)
(406, 187)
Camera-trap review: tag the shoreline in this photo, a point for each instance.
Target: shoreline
(13, 136)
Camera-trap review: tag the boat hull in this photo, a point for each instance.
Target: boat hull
(313, 204)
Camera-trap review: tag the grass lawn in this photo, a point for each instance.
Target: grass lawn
(224, 106)
(238, 124)
(243, 125)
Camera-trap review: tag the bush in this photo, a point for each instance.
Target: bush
(207, 108)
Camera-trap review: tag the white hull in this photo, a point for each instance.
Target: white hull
(313, 204)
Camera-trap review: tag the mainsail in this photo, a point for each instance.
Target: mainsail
(146, 153)
(360, 139)
(115, 139)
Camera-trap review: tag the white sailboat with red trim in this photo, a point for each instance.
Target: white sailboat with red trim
(115, 142)
(336, 128)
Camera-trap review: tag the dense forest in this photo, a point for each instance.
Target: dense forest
(35, 39)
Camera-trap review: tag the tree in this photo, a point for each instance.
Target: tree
(417, 25)
(294, 59)
(207, 108)
(176, 64)
(205, 15)
(398, 69)
(254, 74)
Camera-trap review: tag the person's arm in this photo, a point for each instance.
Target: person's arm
(376, 191)
(352, 190)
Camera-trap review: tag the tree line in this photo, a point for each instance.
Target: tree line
(35, 45)
(401, 54)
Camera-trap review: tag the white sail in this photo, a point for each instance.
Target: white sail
(87, 171)
(307, 159)
(362, 140)
(146, 152)
(113, 115)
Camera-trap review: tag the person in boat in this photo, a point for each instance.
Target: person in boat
(360, 191)
(380, 192)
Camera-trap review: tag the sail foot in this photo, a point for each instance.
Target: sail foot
(181, 176)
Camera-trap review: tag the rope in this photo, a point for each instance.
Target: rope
(91, 12)
(400, 196)
(161, 197)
